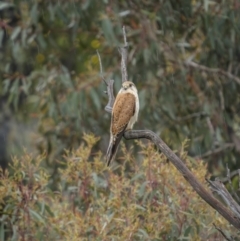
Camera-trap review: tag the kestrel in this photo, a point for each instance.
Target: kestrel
(124, 115)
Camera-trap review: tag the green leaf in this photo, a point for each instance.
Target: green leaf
(2, 231)
(141, 191)
(48, 209)
(108, 31)
(4, 5)
(136, 177)
(36, 216)
(95, 99)
(143, 232)
(15, 33)
(2, 34)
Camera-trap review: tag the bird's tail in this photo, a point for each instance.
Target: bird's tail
(113, 147)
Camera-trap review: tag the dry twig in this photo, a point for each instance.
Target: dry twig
(109, 85)
(215, 151)
(231, 175)
(221, 190)
(231, 186)
(211, 70)
(223, 234)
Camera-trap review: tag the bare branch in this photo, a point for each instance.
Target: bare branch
(229, 215)
(191, 116)
(223, 234)
(111, 97)
(231, 175)
(221, 190)
(215, 151)
(210, 70)
(187, 174)
(101, 69)
(125, 37)
(230, 184)
(124, 54)
(109, 84)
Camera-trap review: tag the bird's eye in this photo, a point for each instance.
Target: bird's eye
(130, 85)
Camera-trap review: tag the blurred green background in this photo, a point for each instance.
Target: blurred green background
(183, 57)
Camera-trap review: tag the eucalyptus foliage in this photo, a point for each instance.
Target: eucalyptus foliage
(49, 70)
(92, 202)
(183, 58)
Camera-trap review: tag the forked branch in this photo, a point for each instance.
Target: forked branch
(229, 215)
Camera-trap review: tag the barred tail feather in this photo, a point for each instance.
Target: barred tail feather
(113, 147)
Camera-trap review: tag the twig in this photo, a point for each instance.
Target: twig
(190, 116)
(109, 84)
(215, 151)
(223, 234)
(124, 53)
(101, 69)
(221, 190)
(125, 37)
(210, 70)
(231, 175)
(230, 184)
(111, 97)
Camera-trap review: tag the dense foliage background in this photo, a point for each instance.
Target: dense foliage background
(184, 60)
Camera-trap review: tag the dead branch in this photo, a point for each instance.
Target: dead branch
(111, 97)
(101, 69)
(230, 215)
(191, 116)
(221, 190)
(211, 70)
(124, 54)
(215, 151)
(223, 234)
(231, 186)
(231, 175)
(109, 84)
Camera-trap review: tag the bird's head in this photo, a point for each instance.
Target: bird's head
(128, 85)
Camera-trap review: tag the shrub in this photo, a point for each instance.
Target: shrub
(150, 201)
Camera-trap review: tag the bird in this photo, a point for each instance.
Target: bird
(124, 116)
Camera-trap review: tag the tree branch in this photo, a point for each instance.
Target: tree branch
(101, 69)
(230, 175)
(210, 70)
(124, 54)
(223, 234)
(221, 190)
(109, 84)
(187, 174)
(231, 186)
(229, 215)
(111, 97)
(191, 116)
(215, 151)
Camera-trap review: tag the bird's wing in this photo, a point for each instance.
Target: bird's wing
(123, 110)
